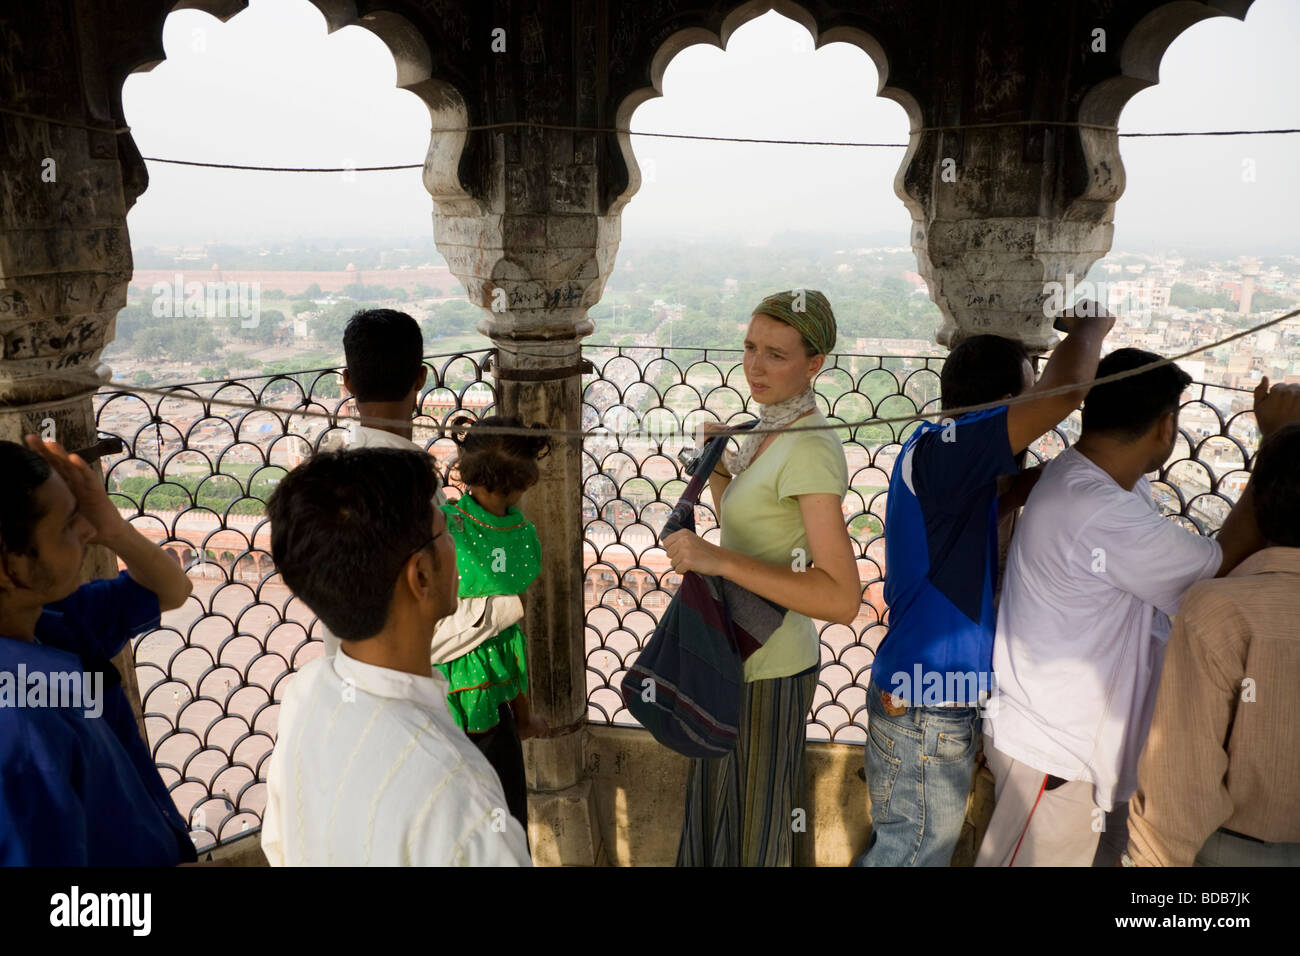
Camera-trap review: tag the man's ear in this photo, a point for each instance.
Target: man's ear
(815, 364)
(418, 575)
(14, 578)
(347, 383)
(419, 386)
(1168, 427)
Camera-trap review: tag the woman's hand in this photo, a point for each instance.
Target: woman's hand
(703, 432)
(689, 552)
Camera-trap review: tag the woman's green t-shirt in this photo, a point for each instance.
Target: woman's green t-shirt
(761, 519)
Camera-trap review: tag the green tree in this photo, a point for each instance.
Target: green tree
(269, 322)
(1263, 301)
(149, 343)
(330, 322)
(451, 318)
(1189, 297)
(131, 320)
(698, 330)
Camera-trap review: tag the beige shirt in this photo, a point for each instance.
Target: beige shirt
(1224, 747)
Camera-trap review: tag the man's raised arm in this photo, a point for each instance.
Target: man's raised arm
(1073, 362)
(149, 565)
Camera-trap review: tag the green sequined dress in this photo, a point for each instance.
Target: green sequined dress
(494, 555)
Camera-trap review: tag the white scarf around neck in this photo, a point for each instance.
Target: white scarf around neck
(774, 415)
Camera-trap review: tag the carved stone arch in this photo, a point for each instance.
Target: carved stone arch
(139, 52)
(1141, 51)
(411, 54)
(415, 73)
(698, 33)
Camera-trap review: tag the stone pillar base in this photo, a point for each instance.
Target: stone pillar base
(562, 827)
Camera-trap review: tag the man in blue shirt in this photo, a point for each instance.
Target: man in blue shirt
(941, 560)
(78, 785)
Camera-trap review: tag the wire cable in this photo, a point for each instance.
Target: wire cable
(302, 410)
(559, 127)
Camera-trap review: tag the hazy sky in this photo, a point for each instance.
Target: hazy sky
(271, 87)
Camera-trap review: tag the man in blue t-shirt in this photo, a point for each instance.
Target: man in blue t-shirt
(941, 564)
(78, 786)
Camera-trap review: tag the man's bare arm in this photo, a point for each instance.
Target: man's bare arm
(1073, 362)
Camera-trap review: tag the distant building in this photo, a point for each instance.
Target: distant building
(1248, 273)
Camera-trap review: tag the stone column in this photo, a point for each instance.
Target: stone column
(64, 256)
(535, 255)
(1013, 167)
(986, 237)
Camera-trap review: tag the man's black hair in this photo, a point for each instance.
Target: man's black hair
(384, 350)
(22, 472)
(980, 369)
(1277, 487)
(1128, 408)
(342, 527)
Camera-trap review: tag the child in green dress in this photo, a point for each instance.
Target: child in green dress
(498, 556)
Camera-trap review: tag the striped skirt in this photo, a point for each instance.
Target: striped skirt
(740, 808)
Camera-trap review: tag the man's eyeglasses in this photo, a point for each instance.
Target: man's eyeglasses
(425, 545)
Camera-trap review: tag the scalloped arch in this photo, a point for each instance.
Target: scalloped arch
(448, 113)
(1140, 54)
(738, 17)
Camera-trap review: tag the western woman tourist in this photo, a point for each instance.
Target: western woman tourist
(779, 502)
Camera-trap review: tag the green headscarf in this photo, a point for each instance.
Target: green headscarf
(806, 311)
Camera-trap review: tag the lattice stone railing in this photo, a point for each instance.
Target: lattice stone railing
(194, 476)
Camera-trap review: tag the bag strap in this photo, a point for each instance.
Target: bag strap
(683, 514)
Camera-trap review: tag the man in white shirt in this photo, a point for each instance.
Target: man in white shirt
(1094, 576)
(369, 768)
(384, 373)
(384, 354)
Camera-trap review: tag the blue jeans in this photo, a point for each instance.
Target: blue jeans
(919, 769)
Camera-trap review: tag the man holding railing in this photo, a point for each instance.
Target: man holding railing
(941, 547)
(1094, 576)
